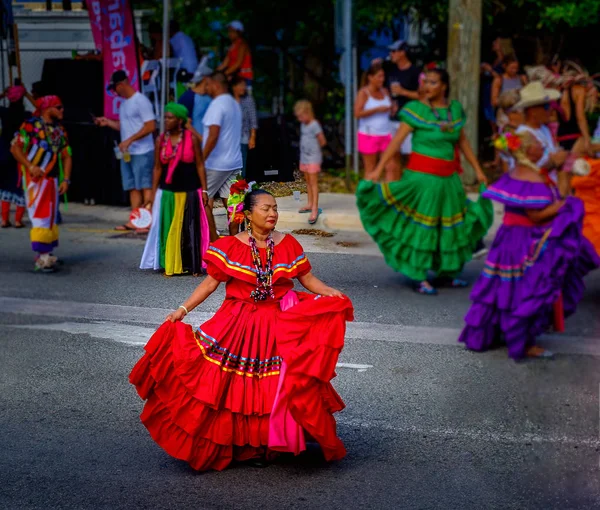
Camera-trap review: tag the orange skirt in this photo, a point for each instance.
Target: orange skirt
(588, 190)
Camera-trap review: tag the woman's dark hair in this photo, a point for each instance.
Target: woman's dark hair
(444, 78)
(509, 59)
(236, 80)
(372, 70)
(252, 198)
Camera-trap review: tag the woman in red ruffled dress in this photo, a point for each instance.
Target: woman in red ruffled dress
(254, 379)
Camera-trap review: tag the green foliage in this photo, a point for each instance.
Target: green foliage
(581, 13)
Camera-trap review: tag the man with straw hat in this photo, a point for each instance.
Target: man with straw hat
(535, 102)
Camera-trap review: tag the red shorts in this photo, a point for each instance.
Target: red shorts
(373, 144)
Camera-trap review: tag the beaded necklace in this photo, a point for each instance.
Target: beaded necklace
(445, 125)
(163, 152)
(264, 276)
(54, 135)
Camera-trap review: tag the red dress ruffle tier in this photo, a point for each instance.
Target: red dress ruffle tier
(210, 392)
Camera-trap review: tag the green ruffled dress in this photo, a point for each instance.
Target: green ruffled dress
(425, 222)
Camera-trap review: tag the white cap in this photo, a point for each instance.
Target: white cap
(236, 25)
(202, 71)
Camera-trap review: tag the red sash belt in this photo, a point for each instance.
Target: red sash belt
(440, 167)
(517, 220)
(564, 138)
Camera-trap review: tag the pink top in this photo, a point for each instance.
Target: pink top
(185, 153)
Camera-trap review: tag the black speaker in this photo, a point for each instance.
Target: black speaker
(79, 84)
(273, 159)
(96, 172)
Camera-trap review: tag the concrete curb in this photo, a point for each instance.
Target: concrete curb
(340, 214)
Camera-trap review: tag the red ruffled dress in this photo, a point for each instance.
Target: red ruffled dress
(253, 378)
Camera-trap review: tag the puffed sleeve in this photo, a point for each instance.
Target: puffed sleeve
(215, 260)
(412, 114)
(300, 264)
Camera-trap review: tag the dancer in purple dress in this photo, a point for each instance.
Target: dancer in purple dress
(538, 254)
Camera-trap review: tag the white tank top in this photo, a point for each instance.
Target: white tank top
(377, 124)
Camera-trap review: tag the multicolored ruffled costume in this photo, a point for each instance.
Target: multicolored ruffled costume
(179, 236)
(425, 221)
(44, 145)
(588, 190)
(254, 377)
(528, 267)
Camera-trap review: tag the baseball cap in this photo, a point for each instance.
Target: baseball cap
(398, 45)
(116, 78)
(236, 25)
(202, 71)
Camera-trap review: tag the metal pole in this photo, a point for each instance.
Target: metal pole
(2, 62)
(17, 51)
(354, 94)
(347, 63)
(164, 82)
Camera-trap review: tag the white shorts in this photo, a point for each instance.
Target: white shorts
(406, 147)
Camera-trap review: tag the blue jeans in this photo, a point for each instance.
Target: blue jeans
(137, 174)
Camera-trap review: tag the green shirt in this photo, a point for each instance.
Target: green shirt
(428, 138)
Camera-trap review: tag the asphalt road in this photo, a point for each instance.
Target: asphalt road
(427, 425)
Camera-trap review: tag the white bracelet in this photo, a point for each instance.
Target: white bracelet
(184, 309)
(204, 191)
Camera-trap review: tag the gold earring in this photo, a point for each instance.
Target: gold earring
(249, 227)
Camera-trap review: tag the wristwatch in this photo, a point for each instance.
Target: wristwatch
(68, 181)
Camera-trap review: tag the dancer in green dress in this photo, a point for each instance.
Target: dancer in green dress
(424, 222)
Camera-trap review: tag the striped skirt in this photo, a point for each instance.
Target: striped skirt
(179, 235)
(42, 208)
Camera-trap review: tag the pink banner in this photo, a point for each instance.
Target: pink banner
(96, 22)
(119, 50)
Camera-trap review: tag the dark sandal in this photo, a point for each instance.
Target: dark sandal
(6, 225)
(19, 225)
(312, 221)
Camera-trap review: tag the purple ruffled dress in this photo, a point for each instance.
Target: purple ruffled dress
(527, 269)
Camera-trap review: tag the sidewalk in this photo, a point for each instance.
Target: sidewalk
(339, 214)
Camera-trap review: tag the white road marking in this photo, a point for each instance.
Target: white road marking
(126, 334)
(122, 333)
(364, 331)
(354, 366)
(525, 438)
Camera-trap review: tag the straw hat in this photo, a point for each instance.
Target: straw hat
(535, 94)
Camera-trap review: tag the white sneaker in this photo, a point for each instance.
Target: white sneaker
(45, 263)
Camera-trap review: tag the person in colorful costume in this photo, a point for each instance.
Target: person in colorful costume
(538, 258)
(11, 189)
(42, 150)
(254, 379)
(425, 221)
(179, 235)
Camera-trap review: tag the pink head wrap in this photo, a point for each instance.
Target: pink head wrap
(47, 102)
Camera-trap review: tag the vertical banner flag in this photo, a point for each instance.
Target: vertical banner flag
(96, 23)
(119, 49)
